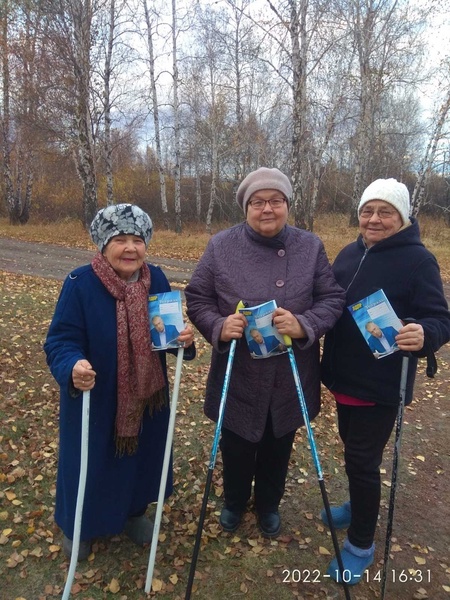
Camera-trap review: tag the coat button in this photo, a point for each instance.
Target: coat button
(279, 283)
(281, 252)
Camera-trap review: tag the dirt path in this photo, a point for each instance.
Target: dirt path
(55, 262)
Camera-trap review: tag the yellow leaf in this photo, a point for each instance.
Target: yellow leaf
(420, 560)
(323, 551)
(446, 588)
(422, 458)
(7, 531)
(114, 586)
(157, 585)
(173, 578)
(10, 495)
(54, 548)
(36, 552)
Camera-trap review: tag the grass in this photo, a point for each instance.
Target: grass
(240, 565)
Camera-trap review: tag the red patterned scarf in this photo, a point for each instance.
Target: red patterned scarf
(140, 378)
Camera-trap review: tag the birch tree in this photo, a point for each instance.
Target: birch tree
(150, 33)
(176, 122)
(71, 34)
(21, 57)
(384, 34)
(426, 168)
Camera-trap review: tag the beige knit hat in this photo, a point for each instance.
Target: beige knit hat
(263, 179)
(391, 191)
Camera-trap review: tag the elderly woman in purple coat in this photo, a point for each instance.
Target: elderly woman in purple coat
(259, 260)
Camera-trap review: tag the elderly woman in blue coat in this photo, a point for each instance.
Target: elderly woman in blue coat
(99, 340)
(259, 260)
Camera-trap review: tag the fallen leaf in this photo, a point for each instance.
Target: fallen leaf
(114, 586)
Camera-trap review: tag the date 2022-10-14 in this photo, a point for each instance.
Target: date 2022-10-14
(393, 575)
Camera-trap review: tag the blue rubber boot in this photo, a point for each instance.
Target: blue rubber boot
(355, 560)
(341, 516)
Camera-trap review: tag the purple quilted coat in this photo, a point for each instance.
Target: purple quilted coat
(290, 268)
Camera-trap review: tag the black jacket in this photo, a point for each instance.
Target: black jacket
(409, 275)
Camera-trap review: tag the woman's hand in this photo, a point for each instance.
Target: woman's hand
(287, 324)
(186, 336)
(233, 327)
(83, 376)
(411, 337)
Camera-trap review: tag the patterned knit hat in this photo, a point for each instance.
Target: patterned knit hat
(119, 219)
(391, 191)
(263, 179)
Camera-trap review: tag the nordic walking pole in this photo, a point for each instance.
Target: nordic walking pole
(165, 470)
(212, 463)
(80, 495)
(312, 444)
(395, 462)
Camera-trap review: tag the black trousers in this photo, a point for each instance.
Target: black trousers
(265, 461)
(365, 431)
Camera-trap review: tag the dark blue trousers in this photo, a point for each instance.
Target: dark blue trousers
(365, 431)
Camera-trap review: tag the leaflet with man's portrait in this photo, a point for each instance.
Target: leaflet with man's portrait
(377, 322)
(166, 320)
(262, 337)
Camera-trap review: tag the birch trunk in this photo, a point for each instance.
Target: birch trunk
(418, 196)
(159, 163)
(176, 117)
(84, 150)
(107, 105)
(299, 65)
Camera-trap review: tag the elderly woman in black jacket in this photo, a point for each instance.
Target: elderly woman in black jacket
(387, 255)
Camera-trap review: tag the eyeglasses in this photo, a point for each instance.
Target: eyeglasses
(382, 213)
(259, 204)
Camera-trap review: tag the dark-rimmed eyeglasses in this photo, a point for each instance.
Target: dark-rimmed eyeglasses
(259, 203)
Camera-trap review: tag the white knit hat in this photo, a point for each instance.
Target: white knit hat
(391, 191)
(263, 179)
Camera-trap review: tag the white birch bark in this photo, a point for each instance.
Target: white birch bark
(154, 95)
(176, 123)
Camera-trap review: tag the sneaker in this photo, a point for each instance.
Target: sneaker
(355, 561)
(269, 524)
(139, 530)
(230, 519)
(341, 515)
(84, 550)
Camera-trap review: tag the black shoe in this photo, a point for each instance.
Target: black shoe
(230, 519)
(270, 524)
